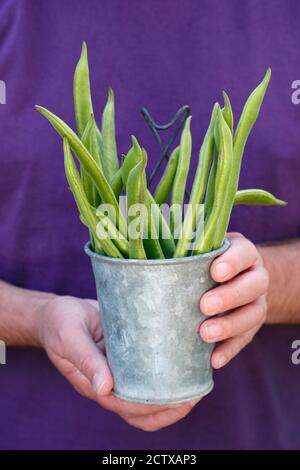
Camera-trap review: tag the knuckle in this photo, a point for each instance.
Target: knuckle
(236, 264)
(248, 338)
(85, 364)
(264, 302)
(264, 279)
(252, 250)
(236, 235)
(62, 335)
(227, 325)
(260, 311)
(229, 297)
(230, 353)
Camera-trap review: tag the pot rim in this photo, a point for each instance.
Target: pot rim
(153, 262)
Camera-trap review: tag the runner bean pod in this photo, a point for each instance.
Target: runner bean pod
(179, 183)
(259, 197)
(110, 154)
(105, 245)
(92, 168)
(165, 184)
(103, 180)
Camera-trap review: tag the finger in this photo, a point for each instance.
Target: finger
(241, 255)
(128, 409)
(239, 321)
(93, 320)
(242, 290)
(81, 350)
(101, 346)
(93, 302)
(231, 347)
(80, 383)
(160, 420)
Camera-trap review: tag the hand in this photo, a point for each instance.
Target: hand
(242, 297)
(70, 331)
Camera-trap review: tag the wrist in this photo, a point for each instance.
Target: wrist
(34, 316)
(268, 257)
(282, 261)
(20, 310)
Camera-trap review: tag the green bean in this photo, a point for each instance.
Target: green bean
(246, 123)
(166, 239)
(155, 247)
(152, 245)
(83, 110)
(83, 221)
(100, 144)
(249, 116)
(179, 183)
(110, 154)
(163, 188)
(82, 92)
(88, 163)
(162, 229)
(83, 205)
(99, 139)
(133, 157)
(113, 234)
(117, 183)
(95, 244)
(89, 140)
(152, 248)
(88, 186)
(257, 197)
(135, 190)
(227, 111)
(224, 168)
(198, 188)
(210, 191)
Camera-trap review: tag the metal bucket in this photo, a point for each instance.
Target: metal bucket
(151, 318)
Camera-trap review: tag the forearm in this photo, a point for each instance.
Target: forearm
(282, 261)
(18, 311)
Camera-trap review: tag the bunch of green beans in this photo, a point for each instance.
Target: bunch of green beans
(102, 179)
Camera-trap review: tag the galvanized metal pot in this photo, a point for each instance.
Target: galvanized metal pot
(151, 318)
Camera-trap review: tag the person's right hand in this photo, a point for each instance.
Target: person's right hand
(70, 331)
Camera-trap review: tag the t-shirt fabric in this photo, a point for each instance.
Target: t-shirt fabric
(160, 55)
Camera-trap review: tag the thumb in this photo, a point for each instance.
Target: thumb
(90, 361)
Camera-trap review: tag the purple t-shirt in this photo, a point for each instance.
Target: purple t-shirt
(160, 55)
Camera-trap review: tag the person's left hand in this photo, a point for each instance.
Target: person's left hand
(241, 297)
(70, 330)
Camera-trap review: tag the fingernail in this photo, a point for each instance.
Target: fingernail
(98, 382)
(213, 331)
(222, 270)
(222, 361)
(211, 304)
